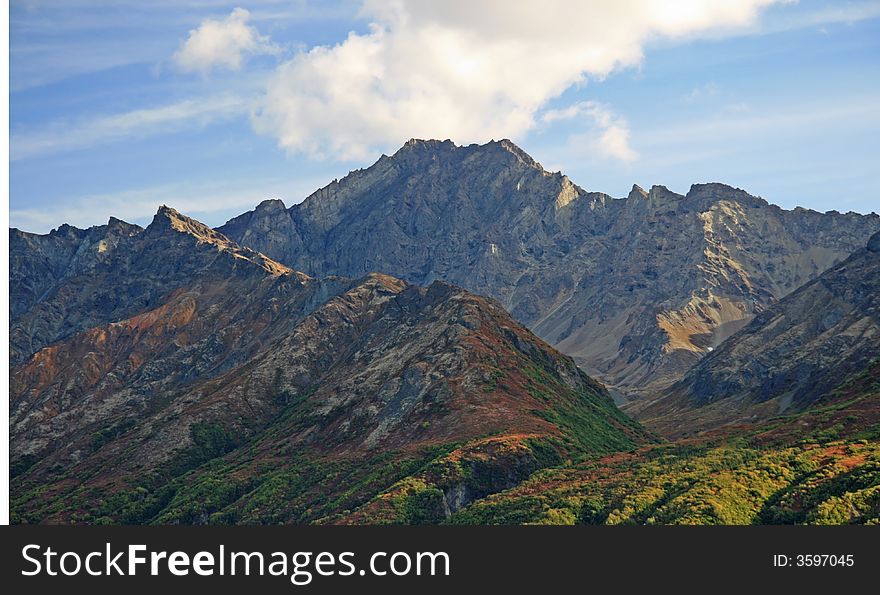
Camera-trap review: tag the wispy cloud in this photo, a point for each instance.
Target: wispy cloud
(65, 136)
(847, 13)
(739, 122)
(701, 92)
(719, 138)
(37, 63)
(607, 134)
(53, 41)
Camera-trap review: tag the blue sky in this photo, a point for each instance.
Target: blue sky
(212, 106)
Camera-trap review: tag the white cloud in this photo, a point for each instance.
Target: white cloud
(64, 136)
(468, 70)
(607, 133)
(222, 44)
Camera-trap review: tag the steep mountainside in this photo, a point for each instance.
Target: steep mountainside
(39, 262)
(788, 358)
(219, 386)
(108, 273)
(635, 289)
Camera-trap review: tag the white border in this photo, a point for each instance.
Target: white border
(4, 272)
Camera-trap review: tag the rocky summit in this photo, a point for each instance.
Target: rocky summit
(636, 289)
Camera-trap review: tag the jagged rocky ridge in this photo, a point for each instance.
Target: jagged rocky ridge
(635, 289)
(71, 280)
(182, 378)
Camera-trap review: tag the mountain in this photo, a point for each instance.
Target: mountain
(172, 375)
(38, 262)
(179, 377)
(788, 359)
(72, 280)
(636, 289)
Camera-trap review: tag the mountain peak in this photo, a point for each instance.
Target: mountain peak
(713, 187)
(637, 192)
(661, 196)
(434, 146)
(714, 191)
(414, 144)
(512, 148)
(168, 219)
(271, 205)
(65, 229)
(114, 224)
(661, 189)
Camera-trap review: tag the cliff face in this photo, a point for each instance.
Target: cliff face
(788, 358)
(635, 289)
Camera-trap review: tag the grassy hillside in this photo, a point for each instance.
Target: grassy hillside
(819, 467)
(729, 483)
(226, 477)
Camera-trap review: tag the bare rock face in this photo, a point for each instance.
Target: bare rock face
(37, 262)
(71, 280)
(636, 289)
(874, 243)
(785, 360)
(268, 226)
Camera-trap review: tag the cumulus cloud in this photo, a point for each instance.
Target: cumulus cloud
(468, 70)
(222, 44)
